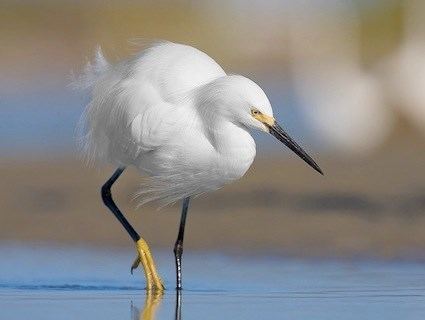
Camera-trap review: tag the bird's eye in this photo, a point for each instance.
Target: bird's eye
(255, 112)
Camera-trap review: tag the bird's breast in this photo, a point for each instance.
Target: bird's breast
(235, 151)
(190, 164)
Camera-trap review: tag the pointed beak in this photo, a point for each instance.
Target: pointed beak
(282, 136)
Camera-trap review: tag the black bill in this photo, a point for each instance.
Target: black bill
(282, 136)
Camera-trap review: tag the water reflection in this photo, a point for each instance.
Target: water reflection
(178, 313)
(152, 302)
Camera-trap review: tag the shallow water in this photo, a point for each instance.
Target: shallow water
(70, 283)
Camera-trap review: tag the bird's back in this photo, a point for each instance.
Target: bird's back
(132, 103)
(175, 68)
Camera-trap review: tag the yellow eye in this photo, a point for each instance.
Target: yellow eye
(255, 112)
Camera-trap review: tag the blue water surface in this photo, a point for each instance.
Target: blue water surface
(73, 283)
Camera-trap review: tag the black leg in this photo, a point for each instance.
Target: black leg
(178, 247)
(109, 202)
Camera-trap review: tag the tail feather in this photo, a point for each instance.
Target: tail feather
(90, 148)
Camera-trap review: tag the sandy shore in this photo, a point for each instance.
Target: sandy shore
(373, 207)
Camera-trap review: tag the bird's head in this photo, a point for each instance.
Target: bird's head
(241, 101)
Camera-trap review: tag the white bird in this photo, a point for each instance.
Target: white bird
(173, 113)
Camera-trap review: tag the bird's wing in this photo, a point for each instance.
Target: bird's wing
(149, 123)
(125, 121)
(135, 102)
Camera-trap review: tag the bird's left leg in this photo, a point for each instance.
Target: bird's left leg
(144, 256)
(178, 247)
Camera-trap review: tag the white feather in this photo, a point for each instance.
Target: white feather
(172, 112)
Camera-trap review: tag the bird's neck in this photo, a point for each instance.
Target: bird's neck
(234, 146)
(229, 138)
(231, 141)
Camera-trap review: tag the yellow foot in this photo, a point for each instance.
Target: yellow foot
(144, 257)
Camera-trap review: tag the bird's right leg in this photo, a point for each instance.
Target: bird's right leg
(144, 256)
(178, 246)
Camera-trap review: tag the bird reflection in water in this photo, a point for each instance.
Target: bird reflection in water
(152, 302)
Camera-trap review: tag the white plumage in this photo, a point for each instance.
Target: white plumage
(172, 112)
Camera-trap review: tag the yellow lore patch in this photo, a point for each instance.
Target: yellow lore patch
(267, 120)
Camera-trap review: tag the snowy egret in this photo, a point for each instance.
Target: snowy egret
(173, 113)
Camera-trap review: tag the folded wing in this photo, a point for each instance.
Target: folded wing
(133, 104)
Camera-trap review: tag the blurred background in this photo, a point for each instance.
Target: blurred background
(346, 78)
